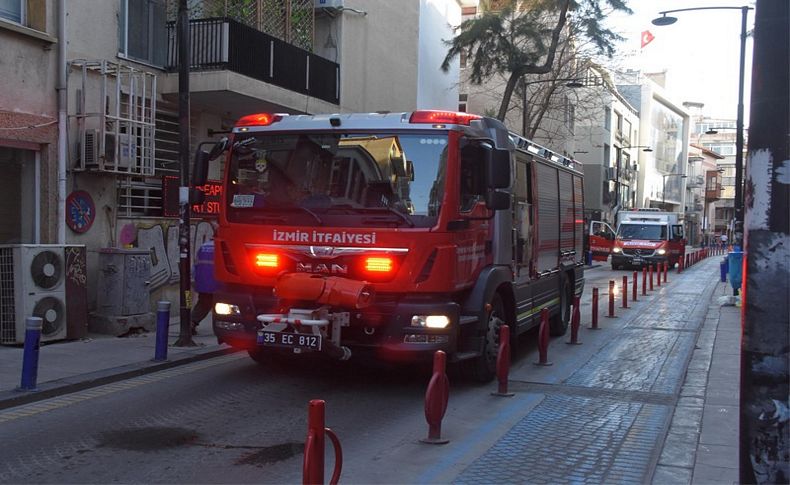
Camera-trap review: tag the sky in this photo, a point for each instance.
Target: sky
(700, 52)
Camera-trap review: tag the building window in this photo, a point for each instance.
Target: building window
(607, 122)
(725, 149)
(12, 10)
(462, 58)
(619, 120)
(30, 13)
(570, 114)
(462, 98)
(627, 132)
(607, 155)
(143, 31)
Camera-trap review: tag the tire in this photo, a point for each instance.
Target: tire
(484, 366)
(558, 325)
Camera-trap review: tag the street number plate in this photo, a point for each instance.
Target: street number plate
(289, 340)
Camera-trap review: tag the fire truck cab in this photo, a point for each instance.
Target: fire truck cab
(647, 236)
(392, 235)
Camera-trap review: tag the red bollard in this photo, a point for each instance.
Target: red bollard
(503, 362)
(644, 281)
(313, 463)
(625, 291)
(575, 321)
(633, 287)
(658, 274)
(594, 303)
(650, 272)
(436, 398)
(611, 300)
(666, 270)
(543, 338)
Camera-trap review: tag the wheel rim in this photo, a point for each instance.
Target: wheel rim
(492, 337)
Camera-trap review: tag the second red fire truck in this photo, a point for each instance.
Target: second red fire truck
(393, 234)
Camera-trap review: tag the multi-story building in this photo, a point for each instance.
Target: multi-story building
(718, 135)
(606, 140)
(665, 127)
(703, 191)
(119, 125)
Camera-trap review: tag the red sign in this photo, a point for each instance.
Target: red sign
(209, 208)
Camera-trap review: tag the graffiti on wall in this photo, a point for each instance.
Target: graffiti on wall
(161, 241)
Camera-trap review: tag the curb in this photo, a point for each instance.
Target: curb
(68, 385)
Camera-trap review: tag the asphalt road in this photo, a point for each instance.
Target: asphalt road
(230, 420)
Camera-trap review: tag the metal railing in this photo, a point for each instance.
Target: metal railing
(225, 44)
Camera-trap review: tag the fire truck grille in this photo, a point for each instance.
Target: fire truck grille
(643, 253)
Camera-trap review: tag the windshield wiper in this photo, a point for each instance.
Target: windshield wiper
(303, 209)
(386, 210)
(390, 210)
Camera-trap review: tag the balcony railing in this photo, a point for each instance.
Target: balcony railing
(218, 44)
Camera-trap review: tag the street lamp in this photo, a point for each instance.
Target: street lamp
(569, 82)
(666, 20)
(645, 148)
(664, 187)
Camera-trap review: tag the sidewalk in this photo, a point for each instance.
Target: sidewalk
(702, 444)
(69, 366)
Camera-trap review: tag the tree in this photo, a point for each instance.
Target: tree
(520, 37)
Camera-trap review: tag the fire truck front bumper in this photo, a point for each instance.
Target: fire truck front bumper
(400, 331)
(632, 258)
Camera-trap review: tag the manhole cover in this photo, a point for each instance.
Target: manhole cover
(147, 439)
(272, 454)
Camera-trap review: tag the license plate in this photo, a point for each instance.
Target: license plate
(637, 260)
(289, 340)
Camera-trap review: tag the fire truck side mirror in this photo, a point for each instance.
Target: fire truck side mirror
(496, 200)
(202, 159)
(497, 168)
(200, 169)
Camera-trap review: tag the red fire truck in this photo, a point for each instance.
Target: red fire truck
(644, 236)
(393, 234)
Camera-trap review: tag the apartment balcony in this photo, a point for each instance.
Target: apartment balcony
(238, 68)
(695, 181)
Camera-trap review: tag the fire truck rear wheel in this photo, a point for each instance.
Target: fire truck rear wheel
(558, 325)
(484, 366)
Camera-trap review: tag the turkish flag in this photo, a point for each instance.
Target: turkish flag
(647, 38)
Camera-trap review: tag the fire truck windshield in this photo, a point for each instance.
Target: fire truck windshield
(323, 178)
(642, 231)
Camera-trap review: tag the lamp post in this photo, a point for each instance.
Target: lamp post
(664, 187)
(570, 82)
(665, 20)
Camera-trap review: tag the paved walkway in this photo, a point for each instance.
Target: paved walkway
(651, 397)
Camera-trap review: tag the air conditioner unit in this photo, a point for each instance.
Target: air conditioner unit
(127, 150)
(328, 3)
(32, 284)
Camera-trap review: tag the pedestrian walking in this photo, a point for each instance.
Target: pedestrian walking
(205, 284)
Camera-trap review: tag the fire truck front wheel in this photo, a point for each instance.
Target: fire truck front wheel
(558, 325)
(484, 366)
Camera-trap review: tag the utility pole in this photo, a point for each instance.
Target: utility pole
(765, 352)
(185, 283)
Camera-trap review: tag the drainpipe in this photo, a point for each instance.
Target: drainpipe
(62, 137)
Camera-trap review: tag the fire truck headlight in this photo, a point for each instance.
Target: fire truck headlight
(430, 321)
(616, 250)
(662, 251)
(226, 309)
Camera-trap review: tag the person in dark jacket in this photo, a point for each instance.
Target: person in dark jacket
(205, 284)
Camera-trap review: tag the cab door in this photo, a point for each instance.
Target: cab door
(677, 244)
(601, 237)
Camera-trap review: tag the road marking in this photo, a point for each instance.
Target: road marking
(58, 402)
